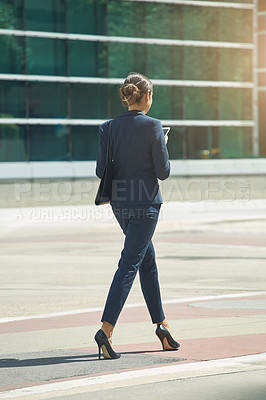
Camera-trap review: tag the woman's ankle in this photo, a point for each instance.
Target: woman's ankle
(166, 325)
(108, 330)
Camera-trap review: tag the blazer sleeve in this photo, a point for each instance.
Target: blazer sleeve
(160, 153)
(102, 152)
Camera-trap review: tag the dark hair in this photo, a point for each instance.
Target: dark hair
(134, 88)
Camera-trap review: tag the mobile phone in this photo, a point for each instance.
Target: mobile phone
(166, 130)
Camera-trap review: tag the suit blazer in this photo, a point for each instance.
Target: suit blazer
(139, 155)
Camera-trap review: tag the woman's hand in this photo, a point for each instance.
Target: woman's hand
(166, 138)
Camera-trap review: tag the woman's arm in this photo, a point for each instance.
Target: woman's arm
(102, 152)
(160, 153)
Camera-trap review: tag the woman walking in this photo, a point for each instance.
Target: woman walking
(140, 158)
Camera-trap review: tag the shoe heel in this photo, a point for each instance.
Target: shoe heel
(99, 349)
(162, 334)
(104, 344)
(99, 346)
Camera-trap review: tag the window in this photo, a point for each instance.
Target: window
(194, 142)
(235, 142)
(114, 105)
(201, 103)
(126, 57)
(12, 57)
(202, 142)
(49, 143)
(164, 62)
(164, 21)
(167, 102)
(209, 142)
(235, 25)
(145, 20)
(85, 141)
(47, 100)
(46, 56)
(235, 104)
(177, 143)
(235, 65)
(200, 23)
(126, 19)
(11, 14)
(12, 99)
(48, 15)
(158, 62)
(201, 63)
(12, 143)
(86, 17)
(88, 101)
(87, 58)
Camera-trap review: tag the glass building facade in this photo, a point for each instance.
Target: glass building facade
(62, 62)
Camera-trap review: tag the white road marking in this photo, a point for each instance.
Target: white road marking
(95, 309)
(244, 363)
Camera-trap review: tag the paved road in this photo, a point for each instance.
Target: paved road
(56, 264)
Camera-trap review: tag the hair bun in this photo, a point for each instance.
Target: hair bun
(134, 88)
(130, 93)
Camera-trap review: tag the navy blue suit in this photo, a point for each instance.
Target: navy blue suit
(139, 157)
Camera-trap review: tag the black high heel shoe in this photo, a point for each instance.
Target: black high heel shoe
(162, 332)
(104, 344)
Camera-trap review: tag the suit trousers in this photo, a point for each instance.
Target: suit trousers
(138, 225)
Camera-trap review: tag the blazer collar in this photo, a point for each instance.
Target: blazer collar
(131, 113)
